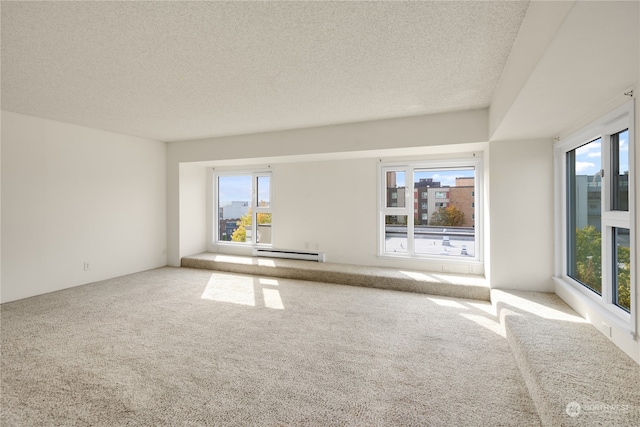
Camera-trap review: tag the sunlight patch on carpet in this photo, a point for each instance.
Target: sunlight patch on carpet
(238, 290)
(242, 290)
(447, 303)
(486, 322)
(272, 299)
(416, 275)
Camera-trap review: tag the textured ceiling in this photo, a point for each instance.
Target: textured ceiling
(181, 70)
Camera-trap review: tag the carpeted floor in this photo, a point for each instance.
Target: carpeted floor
(191, 347)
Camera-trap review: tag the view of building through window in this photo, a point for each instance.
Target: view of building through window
(238, 209)
(431, 214)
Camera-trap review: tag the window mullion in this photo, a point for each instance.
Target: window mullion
(607, 264)
(409, 204)
(607, 232)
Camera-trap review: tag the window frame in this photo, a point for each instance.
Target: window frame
(253, 205)
(408, 167)
(614, 122)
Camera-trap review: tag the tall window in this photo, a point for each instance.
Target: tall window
(244, 208)
(443, 223)
(597, 218)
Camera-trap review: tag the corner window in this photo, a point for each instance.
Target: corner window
(243, 208)
(443, 224)
(596, 215)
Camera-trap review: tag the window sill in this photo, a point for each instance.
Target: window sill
(442, 264)
(613, 322)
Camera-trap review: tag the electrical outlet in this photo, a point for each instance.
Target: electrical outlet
(86, 266)
(606, 329)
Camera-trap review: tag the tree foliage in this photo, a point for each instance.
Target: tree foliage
(589, 264)
(240, 234)
(589, 257)
(449, 216)
(624, 277)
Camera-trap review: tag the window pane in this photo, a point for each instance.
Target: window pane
(395, 189)
(264, 184)
(622, 271)
(584, 222)
(234, 201)
(620, 171)
(445, 224)
(395, 229)
(264, 228)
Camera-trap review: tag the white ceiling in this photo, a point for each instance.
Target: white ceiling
(591, 61)
(182, 70)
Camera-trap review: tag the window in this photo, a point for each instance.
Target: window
(620, 171)
(585, 225)
(243, 208)
(596, 212)
(442, 229)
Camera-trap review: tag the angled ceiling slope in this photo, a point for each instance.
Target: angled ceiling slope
(590, 62)
(183, 70)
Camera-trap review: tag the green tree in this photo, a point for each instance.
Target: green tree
(624, 277)
(240, 234)
(449, 216)
(589, 257)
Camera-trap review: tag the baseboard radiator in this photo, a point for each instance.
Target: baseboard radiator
(282, 253)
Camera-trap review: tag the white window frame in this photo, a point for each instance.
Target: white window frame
(407, 167)
(254, 206)
(617, 120)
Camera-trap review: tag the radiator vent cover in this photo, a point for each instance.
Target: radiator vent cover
(289, 254)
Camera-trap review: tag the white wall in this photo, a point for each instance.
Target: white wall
(328, 206)
(406, 132)
(71, 195)
(193, 220)
(521, 215)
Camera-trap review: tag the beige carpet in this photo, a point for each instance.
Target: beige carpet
(193, 347)
(575, 375)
